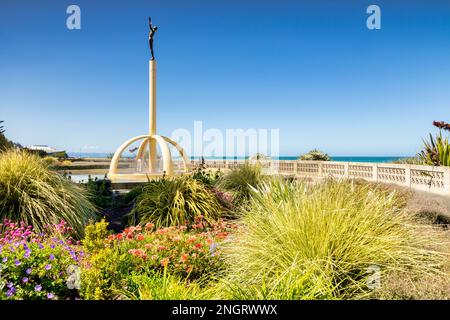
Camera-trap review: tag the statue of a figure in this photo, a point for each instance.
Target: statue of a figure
(151, 34)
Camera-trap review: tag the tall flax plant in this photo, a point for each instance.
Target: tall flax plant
(436, 151)
(318, 241)
(175, 201)
(32, 193)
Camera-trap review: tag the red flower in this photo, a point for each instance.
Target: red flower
(184, 257)
(198, 246)
(149, 226)
(140, 237)
(164, 262)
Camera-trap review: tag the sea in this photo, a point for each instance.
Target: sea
(333, 158)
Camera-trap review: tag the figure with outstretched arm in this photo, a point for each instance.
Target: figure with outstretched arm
(151, 34)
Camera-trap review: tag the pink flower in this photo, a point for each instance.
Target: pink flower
(164, 262)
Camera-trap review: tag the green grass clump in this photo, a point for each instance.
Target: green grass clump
(175, 201)
(32, 193)
(240, 182)
(164, 286)
(303, 241)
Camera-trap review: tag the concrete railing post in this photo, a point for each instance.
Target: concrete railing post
(408, 176)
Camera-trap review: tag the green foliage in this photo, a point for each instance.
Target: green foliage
(317, 241)
(100, 192)
(208, 178)
(132, 195)
(95, 235)
(35, 267)
(103, 274)
(240, 182)
(4, 143)
(32, 193)
(175, 201)
(187, 251)
(184, 252)
(436, 151)
(315, 155)
(163, 286)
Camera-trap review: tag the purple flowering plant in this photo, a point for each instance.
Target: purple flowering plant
(34, 265)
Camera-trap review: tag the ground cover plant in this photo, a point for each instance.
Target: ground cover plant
(35, 266)
(138, 254)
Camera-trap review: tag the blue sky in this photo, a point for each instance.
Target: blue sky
(309, 68)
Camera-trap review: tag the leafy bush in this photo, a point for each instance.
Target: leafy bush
(95, 235)
(34, 266)
(100, 192)
(240, 181)
(317, 242)
(187, 252)
(103, 274)
(175, 201)
(35, 195)
(315, 155)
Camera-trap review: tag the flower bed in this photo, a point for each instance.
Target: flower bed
(38, 266)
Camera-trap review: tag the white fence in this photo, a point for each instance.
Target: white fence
(427, 178)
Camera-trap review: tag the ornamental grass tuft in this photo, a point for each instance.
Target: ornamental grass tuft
(323, 241)
(175, 201)
(32, 193)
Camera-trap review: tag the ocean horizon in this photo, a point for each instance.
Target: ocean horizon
(333, 158)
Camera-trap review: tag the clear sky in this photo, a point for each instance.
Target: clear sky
(309, 68)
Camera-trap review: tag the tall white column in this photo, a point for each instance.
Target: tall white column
(152, 114)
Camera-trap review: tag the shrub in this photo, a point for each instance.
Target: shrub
(184, 252)
(103, 274)
(189, 251)
(317, 242)
(175, 201)
(240, 182)
(315, 155)
(95, 235)
(36, 266)
(35, 195)
(100, 192)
